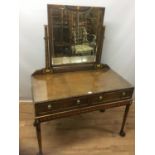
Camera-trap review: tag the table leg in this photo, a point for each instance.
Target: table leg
(37, 124)
(122, 133)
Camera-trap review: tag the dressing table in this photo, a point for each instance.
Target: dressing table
(73, 80)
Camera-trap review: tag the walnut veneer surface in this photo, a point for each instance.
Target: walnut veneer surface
(63, 85)
(58, 95)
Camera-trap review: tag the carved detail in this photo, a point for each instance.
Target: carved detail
(47, 53)
(101, 66)
(47, 70)
(43, 71)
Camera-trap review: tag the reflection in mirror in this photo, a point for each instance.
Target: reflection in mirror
(73, 59)
(74, 36)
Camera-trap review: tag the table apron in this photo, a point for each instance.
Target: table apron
(82, 110)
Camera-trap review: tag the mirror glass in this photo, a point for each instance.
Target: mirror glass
(74, 34)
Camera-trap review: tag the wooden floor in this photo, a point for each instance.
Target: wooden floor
(93, 133)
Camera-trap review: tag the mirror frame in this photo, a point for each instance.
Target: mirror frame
(72, 66)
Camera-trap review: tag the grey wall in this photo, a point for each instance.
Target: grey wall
(118, 50)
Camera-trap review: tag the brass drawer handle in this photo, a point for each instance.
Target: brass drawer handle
(78, 101)
(49, 106)
(100, 98)
(124, 93)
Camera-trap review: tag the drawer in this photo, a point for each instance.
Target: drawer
(60, 105)
(112, 96)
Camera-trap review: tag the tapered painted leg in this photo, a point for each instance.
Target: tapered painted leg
(122, 133)
(38, 131)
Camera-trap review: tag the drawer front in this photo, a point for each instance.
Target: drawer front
(112, 96)
(60, 105)
(79, 102)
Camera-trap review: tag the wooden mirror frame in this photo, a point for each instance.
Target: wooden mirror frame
(71, 67)
(50, 68)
